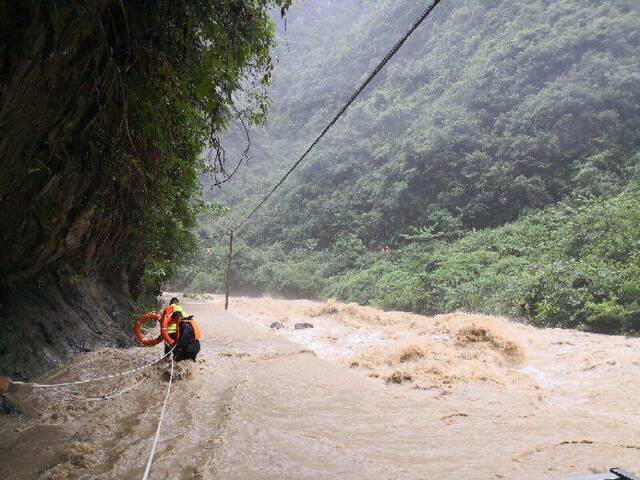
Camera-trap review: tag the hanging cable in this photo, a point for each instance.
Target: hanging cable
(344, 108)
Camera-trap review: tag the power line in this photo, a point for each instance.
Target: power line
(344, 108)
(355, 95)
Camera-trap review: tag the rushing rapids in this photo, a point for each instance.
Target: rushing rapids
(363, 394)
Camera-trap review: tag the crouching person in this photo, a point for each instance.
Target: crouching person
(188, 344)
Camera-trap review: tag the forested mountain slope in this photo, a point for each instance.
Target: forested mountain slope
(491, 111)
(492, 108)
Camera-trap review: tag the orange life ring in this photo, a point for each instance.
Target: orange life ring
(164, 334)
(137, 329)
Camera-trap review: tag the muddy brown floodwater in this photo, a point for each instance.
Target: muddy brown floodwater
(364, 394)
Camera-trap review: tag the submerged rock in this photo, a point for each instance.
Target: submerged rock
(398, 377)
(301, 326)
(276, 325)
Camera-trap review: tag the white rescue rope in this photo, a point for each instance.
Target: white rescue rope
(106, 377)
(155, 440)
(113, 395)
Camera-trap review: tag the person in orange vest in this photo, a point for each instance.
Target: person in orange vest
(188, 344)
(172, 327)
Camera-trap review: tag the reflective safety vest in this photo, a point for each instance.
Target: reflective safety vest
(172, 326)
(196, 328)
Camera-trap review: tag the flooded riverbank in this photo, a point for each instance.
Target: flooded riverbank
(363, 394)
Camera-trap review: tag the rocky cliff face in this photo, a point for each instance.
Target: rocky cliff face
(46, 322)
(68, 257)
(65, 196)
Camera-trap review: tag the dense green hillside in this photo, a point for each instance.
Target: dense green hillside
(103, 123)
(493, 110)
(493, 107)
(571, 265)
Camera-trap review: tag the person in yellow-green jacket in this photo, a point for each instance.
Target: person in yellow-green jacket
(172, 326)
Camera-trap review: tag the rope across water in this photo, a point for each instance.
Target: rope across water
(121, 392)
(157, 437)
(97, 379)
(109, 396)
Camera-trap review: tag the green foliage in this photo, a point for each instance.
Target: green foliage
(574, 265)
(568, 266)
(608, 316)
(108, 105)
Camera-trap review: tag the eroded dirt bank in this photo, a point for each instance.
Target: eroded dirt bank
(364, 394)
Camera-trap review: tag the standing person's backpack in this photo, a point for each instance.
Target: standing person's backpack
(188, 345)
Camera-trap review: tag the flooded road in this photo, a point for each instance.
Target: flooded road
(364, 394)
